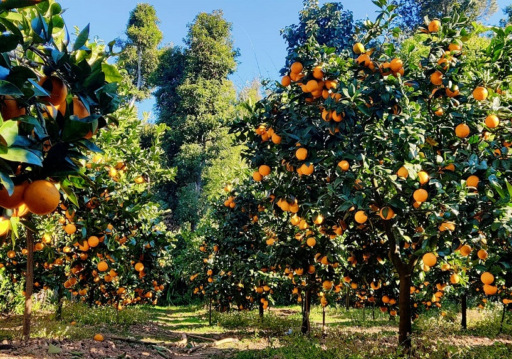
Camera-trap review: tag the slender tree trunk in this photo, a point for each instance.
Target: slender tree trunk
(503, 318)
(139, 74)
(260, 307)
(29, 286)
(91, 297)
(364, 313)
(464, 310)
(404, 305)
(373, 311)
(58, 311)
(210, 312)
(323, 321)
(305, 314)
(347, 300)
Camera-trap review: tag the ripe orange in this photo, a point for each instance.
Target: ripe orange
(344, 165)
(312, 85)
(465, 250)
(482, 254)
(307, 170)
(264, 170)
(423, 177)
(492, 121)
(434, 26)
(139, 267)
(57, 89)
(358, 48)
(454, 47)
(360, 217)
(318, 220)
(93, 241)
(41, 197)
(327, 115)
(453, 92)
(276, 138)
(436, 78)
(102, 266)
(327, 285)
(70, 228)
(439, 112)
(286, 81)
(487, 278)
(301, 154)
(403, 172)
(79, 110)
(386, 213)
(490, 289)
(396, 65)
(462, 130)
(364, 60)
(430, 259)
(311, 241)
(447, 226)
(257, 176)
(472, 181)
(99, 338)
(420, 195)
(337, 117)
(297, 68)
(16, 199)
(9, 108)
(454, 278)
(480, 93)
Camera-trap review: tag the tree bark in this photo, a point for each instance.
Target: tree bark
(347, 300)
(27, 317)
(58, 311)
(305, 314)
(261, 310)
(210, 310)
(323, 321)
(404, 305)
(464, 310)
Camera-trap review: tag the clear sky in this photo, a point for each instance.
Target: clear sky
(256, 25)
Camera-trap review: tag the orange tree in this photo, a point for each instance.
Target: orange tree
(110, 221)
(413, 155)
(55, 95)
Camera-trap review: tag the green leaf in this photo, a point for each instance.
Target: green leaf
(81, 39)
(16, 154)
(9, 131)
(111, 73)
(16, 4)
(52, 349)
(7, 88)
(70, 194)
(7, 182)
(8, 42)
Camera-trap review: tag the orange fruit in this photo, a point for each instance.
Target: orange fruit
(102, 266)
(301, 154)
(79, 109)
(70, 228)
(430, 259)
(5, 225)
(454, 47)
(472, 181)
(312, 85)
(337, 117)
(462, 130)
(454, 278)
(99, 338)
(360, 217)
(453, 92)
(364, 60)
(297, 68)
(403, 172)
(480, 93)
(434, 26)
(93, 241)
(57, 89)
(482, 254)
(396, 65)
(420, 195)
(257, 176)
(307, 170)
(465, 250)
(9, 108)
(139, 267)
(386, 213)
(436, 78)
(492, 121)
(358, 48)
(14, 200)
(264, 170)
(447, 226)
(276, 138)
(490, 289)
(423, 177)
(439, 112)
(41, 197)
(311, 241)
(487, 278)
(344, 165)
(286, 81)
(327, 285)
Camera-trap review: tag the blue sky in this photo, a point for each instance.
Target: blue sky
(256, 26)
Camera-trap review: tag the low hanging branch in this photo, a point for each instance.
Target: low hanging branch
(214, 343)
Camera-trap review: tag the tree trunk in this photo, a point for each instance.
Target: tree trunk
(373, 311)
(323, 321)
(58, 311)
(29, 285)
(464, 310)
(305, 314)
(347, 300)
(139, 74)
(210, 310)
(502, 318)
(261, 310)
(404, 305)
